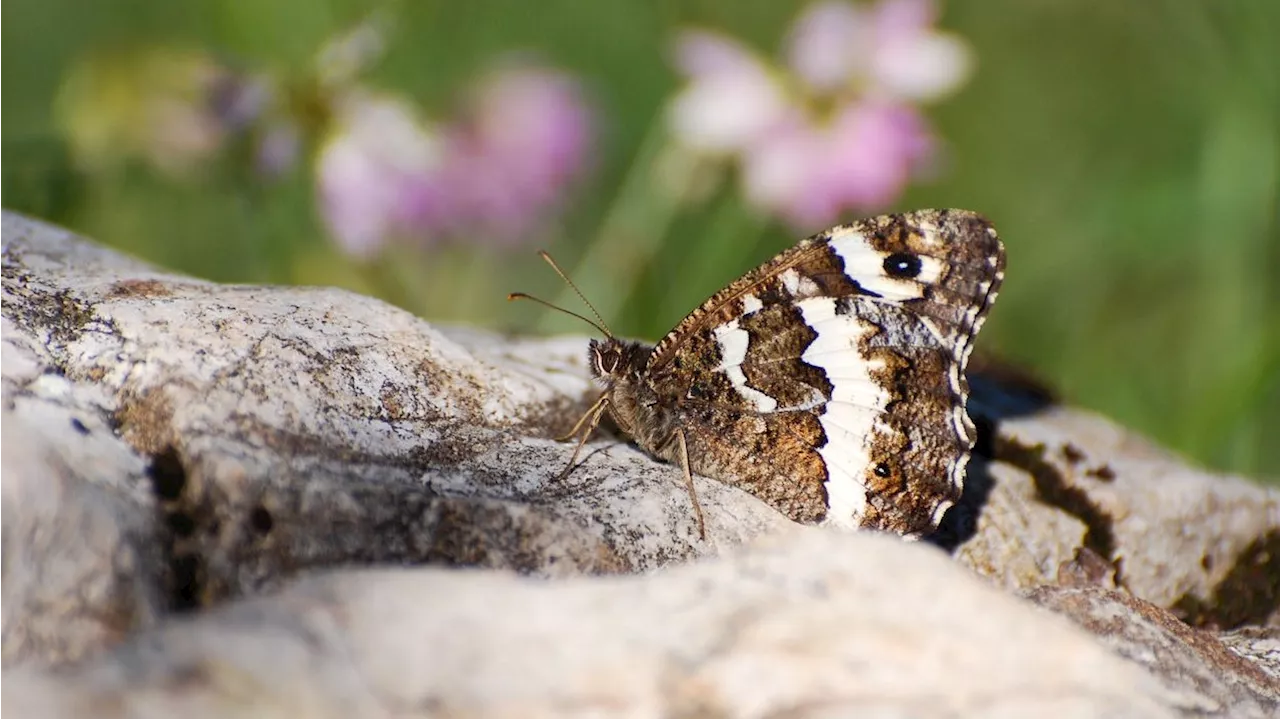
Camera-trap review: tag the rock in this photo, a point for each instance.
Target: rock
(286, 429)
(1260, 645)
(807, 623)
(173, 445)
(1183, 657)
(1204, 545)
(81, 562)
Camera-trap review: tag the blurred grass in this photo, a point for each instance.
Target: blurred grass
(1128, 152)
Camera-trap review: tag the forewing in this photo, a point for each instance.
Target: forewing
(853, 346)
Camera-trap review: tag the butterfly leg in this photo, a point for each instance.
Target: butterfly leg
(591, 419)
(688, 483)
(593, 414)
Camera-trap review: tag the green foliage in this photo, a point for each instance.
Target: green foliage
(1129, 153)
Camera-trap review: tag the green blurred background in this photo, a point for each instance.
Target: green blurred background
(1129, 154)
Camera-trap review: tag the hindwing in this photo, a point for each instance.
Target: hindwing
(830, 380)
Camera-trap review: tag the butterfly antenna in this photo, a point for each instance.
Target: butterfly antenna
(600, 325)
(571, 313)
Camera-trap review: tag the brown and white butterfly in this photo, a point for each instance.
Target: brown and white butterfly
(830, 381)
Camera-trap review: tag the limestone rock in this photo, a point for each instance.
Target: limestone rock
(178, 448)
(1183, 657)
(82, 566)
(808, 623)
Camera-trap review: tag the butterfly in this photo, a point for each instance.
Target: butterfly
(829, 382)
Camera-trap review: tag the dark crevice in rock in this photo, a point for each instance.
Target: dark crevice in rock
(168, 477)
(465, 532)
(181, 524)
(184, 576)
(261, 520)
(1102, 473)
(1249, 593)
(1054, 489)
(1073, 454)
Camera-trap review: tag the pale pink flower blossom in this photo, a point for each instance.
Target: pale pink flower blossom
(365, 169)
(838, 127)
(732, 98)
(912, 61)
(827, 46)
(873, 148)
(889, 49)
(492, 175)
(524, 139)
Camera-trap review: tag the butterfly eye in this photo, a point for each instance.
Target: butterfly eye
(607, 360)
(902, 264)
(882, 470)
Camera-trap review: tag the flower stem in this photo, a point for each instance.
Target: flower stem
(633, 229)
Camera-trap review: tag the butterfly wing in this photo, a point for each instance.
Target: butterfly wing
(830, 380)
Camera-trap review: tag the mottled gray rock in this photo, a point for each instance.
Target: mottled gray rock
(288, 428)
(1260, 645)
(1182, 657)
(1205, 546)
(172, 444)
(82, 564)
(803, 625)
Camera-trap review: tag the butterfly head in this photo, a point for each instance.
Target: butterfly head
(614, 361)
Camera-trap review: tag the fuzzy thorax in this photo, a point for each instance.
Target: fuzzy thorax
(619, 367)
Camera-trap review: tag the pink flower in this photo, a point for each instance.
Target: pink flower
(838, 127)
(828, 45)
(889, 49)
(524, 140)
(493, 174)
(912, 61)
(861, 159)
(731, 99)
(366, 169)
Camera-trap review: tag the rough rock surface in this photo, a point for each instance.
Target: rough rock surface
(1184, 658)
(804, 624)
(171, 445)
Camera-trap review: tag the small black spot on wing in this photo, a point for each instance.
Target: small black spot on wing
(903, 265)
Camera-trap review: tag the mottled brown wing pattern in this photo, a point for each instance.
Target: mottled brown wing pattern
(830, 381)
